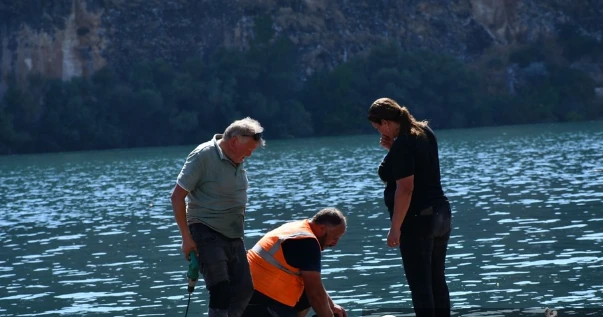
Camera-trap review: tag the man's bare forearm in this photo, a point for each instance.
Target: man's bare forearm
(179, 208)
(320, 301)
(331, 303)
(180, 216)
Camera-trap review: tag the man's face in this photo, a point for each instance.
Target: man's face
(330, 236)
(243, 146)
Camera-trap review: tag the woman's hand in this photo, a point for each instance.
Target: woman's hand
(386, 142)
(393, 237)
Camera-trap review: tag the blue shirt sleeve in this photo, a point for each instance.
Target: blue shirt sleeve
(304, 254)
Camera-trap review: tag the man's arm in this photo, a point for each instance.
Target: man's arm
(305, 255)
(179, 206)
(316, 293)
(337, 310)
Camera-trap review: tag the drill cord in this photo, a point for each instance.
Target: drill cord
(188, 305)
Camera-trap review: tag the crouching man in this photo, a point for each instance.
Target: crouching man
(285, 266)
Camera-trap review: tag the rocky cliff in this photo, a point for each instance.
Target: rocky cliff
(67, 38)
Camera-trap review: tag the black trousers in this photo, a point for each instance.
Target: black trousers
(423, 245)
(261, 305)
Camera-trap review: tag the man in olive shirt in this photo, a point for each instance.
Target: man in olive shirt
(211, 218)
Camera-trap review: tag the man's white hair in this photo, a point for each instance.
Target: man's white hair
(244, 127)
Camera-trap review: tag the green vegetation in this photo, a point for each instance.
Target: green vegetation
(158, 104)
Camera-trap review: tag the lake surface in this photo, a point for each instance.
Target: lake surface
(92, 233)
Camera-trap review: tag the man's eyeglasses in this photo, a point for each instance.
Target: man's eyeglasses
(256, 137)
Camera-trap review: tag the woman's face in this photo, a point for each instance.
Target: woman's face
(385, 128)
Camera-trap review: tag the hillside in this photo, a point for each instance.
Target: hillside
(95, 74)
(70, 38)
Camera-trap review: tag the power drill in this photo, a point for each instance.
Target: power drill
(193, 271)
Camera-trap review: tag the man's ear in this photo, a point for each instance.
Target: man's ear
(323, 229)
(233, 141)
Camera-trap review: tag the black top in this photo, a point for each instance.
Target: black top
(303, 253)
(418, 156)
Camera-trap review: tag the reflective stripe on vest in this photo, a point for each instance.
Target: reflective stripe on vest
(268, 255)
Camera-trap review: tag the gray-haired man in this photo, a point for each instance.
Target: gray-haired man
(211, 222)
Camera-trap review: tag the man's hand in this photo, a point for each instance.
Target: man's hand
(386, 142)
(393, 237)
(339, 311)
(188, 245)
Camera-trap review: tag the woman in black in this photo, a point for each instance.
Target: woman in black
(419, 211)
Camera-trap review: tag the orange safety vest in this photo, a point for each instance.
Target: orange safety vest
(271, 274)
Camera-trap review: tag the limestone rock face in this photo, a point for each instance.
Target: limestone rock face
(56, 46)
(70, 38)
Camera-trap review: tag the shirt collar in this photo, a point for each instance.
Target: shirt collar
(215, 139)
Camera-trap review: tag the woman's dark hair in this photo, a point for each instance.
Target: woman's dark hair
(389, 109)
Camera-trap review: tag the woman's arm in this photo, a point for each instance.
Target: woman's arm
(404, 189)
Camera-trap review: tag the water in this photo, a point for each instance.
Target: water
(92, 233)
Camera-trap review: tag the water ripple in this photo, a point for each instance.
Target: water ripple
(92, 233)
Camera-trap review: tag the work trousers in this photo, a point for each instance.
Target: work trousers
(225, 270)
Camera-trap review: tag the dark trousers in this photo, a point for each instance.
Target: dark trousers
(261, 305)
(423, 245)
(225, 269)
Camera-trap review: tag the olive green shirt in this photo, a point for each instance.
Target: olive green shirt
(217, 189)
